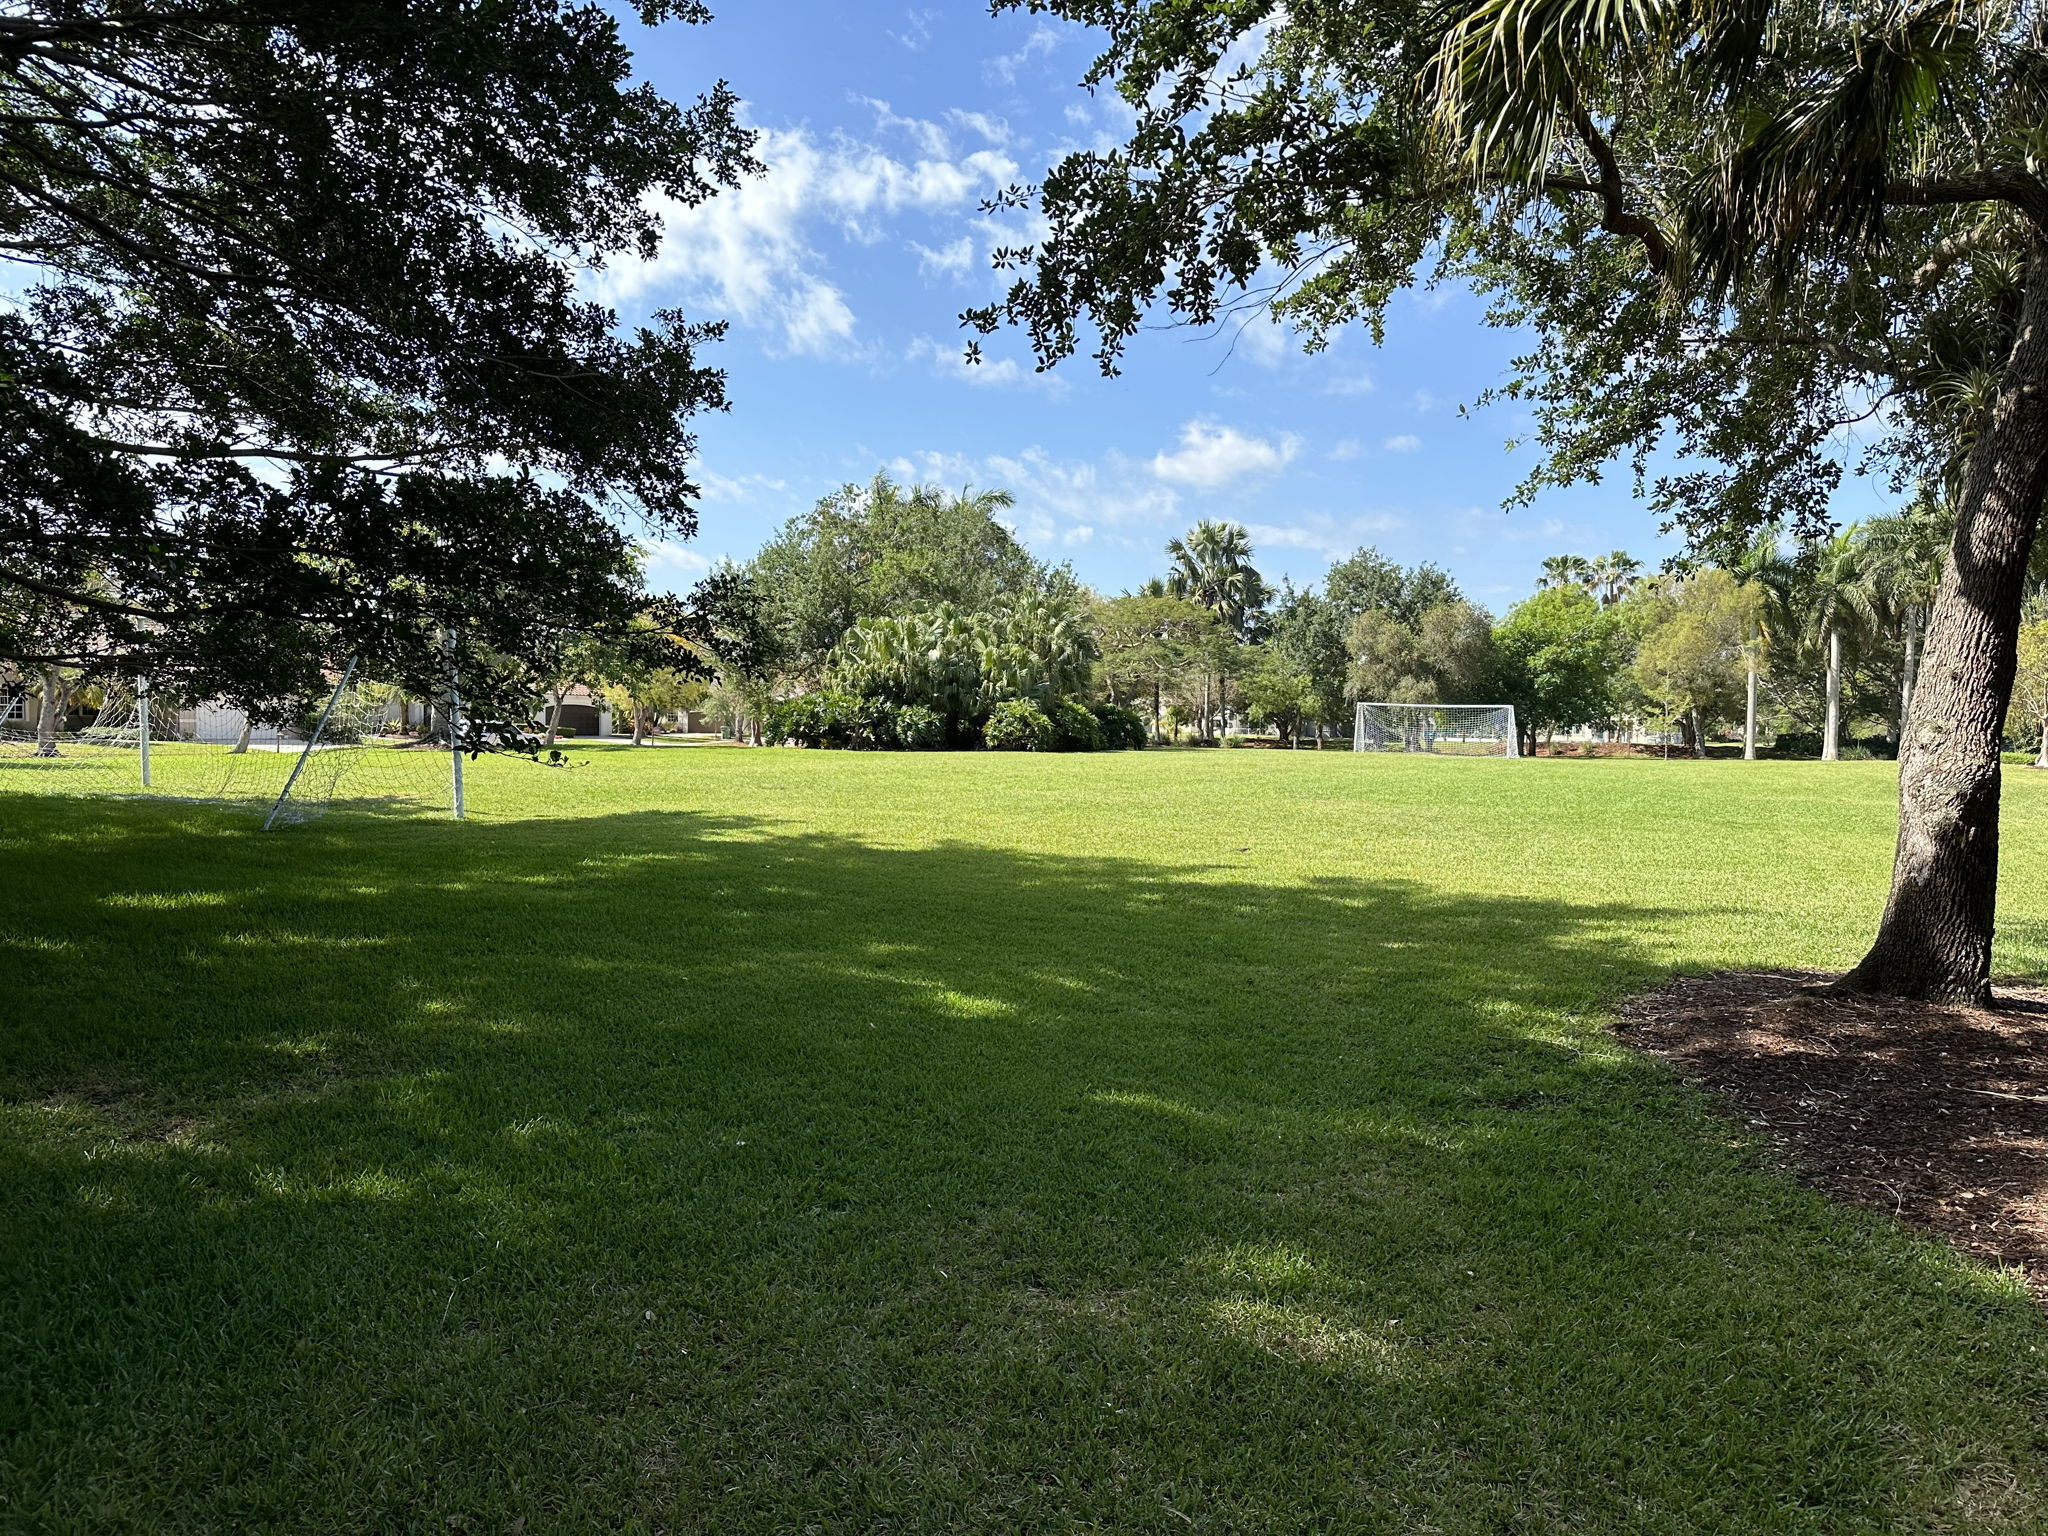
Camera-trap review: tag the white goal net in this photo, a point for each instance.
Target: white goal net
(1453, 730)
(358, 747)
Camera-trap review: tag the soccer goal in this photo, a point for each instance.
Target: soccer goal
(354, 748)
(1454, 730)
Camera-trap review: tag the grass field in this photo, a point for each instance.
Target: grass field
(762, 1141)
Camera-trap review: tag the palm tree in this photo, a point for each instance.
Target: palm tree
(1611, 575)
(1822, 131)
(1213, 566)
(1776, 580)
(1565, 571)
(1902, 559)
(1838, 603)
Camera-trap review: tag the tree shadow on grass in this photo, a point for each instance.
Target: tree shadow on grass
(671, 1171)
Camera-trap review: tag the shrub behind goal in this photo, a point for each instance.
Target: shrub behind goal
(1452, 730)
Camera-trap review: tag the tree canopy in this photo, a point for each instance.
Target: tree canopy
(887, 550)
(304, 367)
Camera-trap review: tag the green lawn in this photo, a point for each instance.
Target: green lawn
(771, 1141)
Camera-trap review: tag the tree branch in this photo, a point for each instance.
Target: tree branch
(1611, 189)
(82, 599)
(2021, 189)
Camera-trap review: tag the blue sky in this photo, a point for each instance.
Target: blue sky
(844, 269)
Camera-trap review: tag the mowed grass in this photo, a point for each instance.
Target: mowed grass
(763, 1141)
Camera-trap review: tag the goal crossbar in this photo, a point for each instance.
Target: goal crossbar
(1455, 730)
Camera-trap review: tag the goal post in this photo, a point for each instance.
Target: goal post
(1449, 730)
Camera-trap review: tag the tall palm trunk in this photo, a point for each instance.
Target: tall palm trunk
(1831, 740)
(1935, 938)
(1749, 714)
(47, 719)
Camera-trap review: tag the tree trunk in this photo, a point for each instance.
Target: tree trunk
(1749, 716)
(1699, 736)
(1934, 940)
(554, 716)
(1831, 736)
(248, 722)
(2041, 757)
(49, 718)
(1910, 673)
(639, 728)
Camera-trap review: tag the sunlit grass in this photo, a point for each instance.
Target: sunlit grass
(770, 1141)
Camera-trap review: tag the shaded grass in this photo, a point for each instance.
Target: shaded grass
(767, 1141)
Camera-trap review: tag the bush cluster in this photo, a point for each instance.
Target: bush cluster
(832, 718)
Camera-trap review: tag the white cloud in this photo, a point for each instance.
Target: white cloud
(955, 259)
(1265, 341)
(1345, 450)
(929, 137)
(667, 560)
(1350, 384)
(1211, 455)
(1424, 400)
(719, 487)
(1323, 534)
(993, 129)
(949, 361)
(1063, 502)
(1405, 443)
(917, 30)
(1003, 67)
(748, 253)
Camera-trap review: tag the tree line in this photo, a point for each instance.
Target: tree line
(924, 599)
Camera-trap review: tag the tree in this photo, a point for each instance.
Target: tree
(1565, 571)
(2030, 683)
(962, 665)
(1694, 654)
(1213, 566)
(1729, 229)
(1146, 641)
(1447, 657)
(1367, 580)
(1901, 557)
(1559, 656)
(1277, 694)
(1774, 580)
(302, 365)
(645, 696)
(1611, 575)
(866, 552)
(1838, 605)
(1307, 632)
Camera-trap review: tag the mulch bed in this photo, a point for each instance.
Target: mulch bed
(1937, 1115)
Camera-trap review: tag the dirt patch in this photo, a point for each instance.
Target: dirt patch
(1937, 1115)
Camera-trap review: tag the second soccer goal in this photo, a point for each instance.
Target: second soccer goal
(1454, 730)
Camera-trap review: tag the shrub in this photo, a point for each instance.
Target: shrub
(827, 718)
(1074, 727)
(1122, 729)
(1018, 725)
(920, 729)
